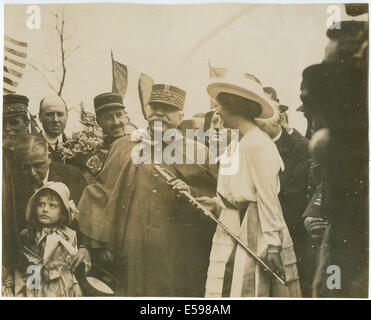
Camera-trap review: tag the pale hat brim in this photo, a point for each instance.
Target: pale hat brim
(217, 87)
(58, 187)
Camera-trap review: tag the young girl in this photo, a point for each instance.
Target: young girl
(48, 245)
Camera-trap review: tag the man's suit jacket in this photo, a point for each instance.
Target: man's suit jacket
(54, 154)
(296, 157)
(296, 134)
(58, 172)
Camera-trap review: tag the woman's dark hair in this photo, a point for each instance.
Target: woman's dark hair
(240, 106)
(33, 225)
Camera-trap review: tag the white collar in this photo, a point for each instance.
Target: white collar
(51, 140)
(277, 136)
(290, 131)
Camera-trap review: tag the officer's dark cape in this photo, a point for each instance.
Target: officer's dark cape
(99, 209)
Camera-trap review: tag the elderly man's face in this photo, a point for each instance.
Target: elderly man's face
(12, 128)
(34, 165)
(112, 122)
(53, 119)
(170, 116)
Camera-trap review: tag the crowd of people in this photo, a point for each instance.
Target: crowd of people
(299, 202)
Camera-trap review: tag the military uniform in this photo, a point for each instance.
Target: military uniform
(14, 105)
(94, 164)
(161, 243)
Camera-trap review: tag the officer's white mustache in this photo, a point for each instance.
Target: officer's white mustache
(152, 119)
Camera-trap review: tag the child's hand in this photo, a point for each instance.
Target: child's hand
(82, 256)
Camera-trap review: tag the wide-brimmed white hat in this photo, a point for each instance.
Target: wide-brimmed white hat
(243, 85)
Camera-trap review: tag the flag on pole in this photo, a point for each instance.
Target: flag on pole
(145, 84)
(215, 72)
(135, 89)
(119, 77)
(15, 57)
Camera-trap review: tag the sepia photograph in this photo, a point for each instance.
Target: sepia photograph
(185, 150)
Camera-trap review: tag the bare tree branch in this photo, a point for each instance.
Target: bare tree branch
(60, 17)
(64, 70)
(44, 76)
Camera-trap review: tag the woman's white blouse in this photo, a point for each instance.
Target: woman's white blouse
(256, 179)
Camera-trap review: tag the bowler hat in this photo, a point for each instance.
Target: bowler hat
(300, 108)
(283, 108)
(14, 105)
(316, 83)
(273, 94)
(167, 94)
(356, 9)
(108, 100)
(333, 86)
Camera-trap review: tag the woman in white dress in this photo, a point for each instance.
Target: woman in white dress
(250, 205)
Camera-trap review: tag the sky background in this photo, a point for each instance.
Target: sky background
(173, 44)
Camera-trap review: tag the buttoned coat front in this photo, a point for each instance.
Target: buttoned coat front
(163, 242)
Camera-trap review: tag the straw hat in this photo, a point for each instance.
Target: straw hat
(243, 85)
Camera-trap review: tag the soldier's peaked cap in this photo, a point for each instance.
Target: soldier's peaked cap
(167, 94)
(14, 105)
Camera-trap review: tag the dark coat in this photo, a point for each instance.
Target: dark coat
(56, 155)
(10, 238)
(296, 134)
(163, 241)
(58, 172)
(296, 158)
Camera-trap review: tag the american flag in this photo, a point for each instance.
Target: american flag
(15, 57)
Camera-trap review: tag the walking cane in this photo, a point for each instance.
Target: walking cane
(169, 177)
